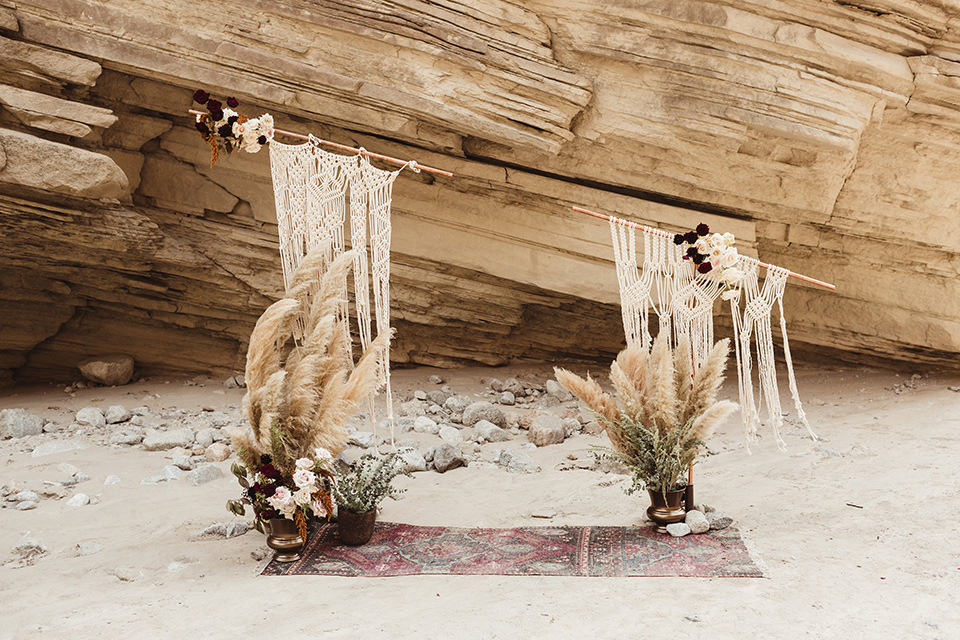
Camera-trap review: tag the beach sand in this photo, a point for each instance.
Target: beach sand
(859, 532)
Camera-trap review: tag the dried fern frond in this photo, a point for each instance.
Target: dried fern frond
(245, 447)
(270, 332)
(707, 382)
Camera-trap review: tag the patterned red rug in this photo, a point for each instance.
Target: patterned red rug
(406, 550)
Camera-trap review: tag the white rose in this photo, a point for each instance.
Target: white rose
(282, 501)
(302, 497)
(318, 509)
(304, 478)
(729, 239)
(323, 454)
(732, 276)
(304, 463)
(730, 258)
(716, 240)
(702, 245)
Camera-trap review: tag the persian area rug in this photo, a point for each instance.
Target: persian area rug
(407, 550)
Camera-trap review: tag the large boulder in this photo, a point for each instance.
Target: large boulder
(483, 411)
(448, 457)
(17, 423)
(110, 370)
(546, 429)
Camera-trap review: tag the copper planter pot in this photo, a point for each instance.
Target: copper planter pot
(664, 512)
(284, 538)
(355, 528)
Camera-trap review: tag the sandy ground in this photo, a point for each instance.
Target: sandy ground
(889, 567)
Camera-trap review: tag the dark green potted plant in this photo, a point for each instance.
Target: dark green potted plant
(358, 492)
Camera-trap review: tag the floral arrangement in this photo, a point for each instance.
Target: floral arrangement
(714, 254)
(225, 130)
(295, 492)
(368, 482)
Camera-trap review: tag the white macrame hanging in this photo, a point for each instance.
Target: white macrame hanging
(313, 191)
(684, 302)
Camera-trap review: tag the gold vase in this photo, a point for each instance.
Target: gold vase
(284, 538)
(664, 512)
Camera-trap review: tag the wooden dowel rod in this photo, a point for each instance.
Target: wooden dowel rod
(342, 147)
(820, 283)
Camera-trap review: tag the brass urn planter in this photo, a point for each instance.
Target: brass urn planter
(283, 537)
(666, 511)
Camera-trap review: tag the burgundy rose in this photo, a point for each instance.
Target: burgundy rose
(225, 131)
(690, 236)
(691, 252)
(269, 471)
(203, 128)
(232, 119)
(697, 258)
(232, 103)
(216, 115)
(678, 239)
(706, 267)
(262, 140)
(201, 96)
(214, 105)
(702, 229)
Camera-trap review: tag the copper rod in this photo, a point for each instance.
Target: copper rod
(342, 147)
(665, 233)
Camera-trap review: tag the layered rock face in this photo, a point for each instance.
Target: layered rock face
(825, 135)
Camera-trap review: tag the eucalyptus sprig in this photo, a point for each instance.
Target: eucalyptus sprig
(368, 482)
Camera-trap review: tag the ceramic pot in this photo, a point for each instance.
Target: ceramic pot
(283, 537)
(355, 528)
(664, 512)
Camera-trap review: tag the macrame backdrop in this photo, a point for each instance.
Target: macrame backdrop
(314, 191)
(683, 303)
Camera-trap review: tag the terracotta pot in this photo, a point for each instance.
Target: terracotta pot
(355, 528)
(664, 512)
(283, 537)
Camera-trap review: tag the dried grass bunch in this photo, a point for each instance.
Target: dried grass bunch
(298, 400)
(663, 412)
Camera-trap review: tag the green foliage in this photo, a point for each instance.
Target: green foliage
(657, 458)
(368, 482)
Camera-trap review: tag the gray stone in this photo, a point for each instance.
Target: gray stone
(68, 469)
(237, 528)
(28, 546)
(111, 480)
(226, 530)
(413, 408)
(448, 457)
(554, 390)
(571, 426)
(423, 424)
(171, 472)
(528, 445)
(204, 437)
(217, 452)
(57, 446)
(830, 453)
(153, 480)
(24, 496)
(420, 395)
(231, 383)
(17, 423)
(92, 416)
(718, 521)
(112, 369)
(478, 411)
(678, 529)
(77, 478)
(79, 500)
(450, 434)
(485, 431)
(203, 474)
(126, 436)
(402, 425)
(215, 530)
(456, 405)
(697, 522)
(546, 429)
(438, 396)
(496, 385)
(428, 454)
(435, 379)
(88, 548)
(27, 505)
(512, 385)
(412, 460)
(362, 439)
(117, 413)
(184, 462)
(516, 462)
(507, 398)
(164, 440)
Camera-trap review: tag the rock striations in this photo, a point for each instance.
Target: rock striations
(826, 136)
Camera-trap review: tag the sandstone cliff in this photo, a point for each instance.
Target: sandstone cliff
(826, 135)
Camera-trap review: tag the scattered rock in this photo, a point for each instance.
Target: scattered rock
(593, 428)
(203, 474)
(184, 462)
(697, 522)
(117, 413)
(456, 405)
(362, 439)
(87, 548)
(428, 454)
(171, 472)
(28, 547)
(420, 395)
(507, 398)
(57, 446)
(126, 436)
(24, 496)
(485, 431)
(226, 530)
(412, 460)
(450, 434)
(447, 457)
(718, 521)
(79, 500)
(27, 505)
(112, 369)
(512, 385)
(478, 411)
(435, 379)
(554, 390)
(546, 429)
(571, 426)
(111, 480)
(423, 424)
(413, 408)
(204, 437)
(217, 452)
(495, 385)
(516, 462)
(678, 529)
(17, 423)
(438, 396)
(164, 440)
(92, 416)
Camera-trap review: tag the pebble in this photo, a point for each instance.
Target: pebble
(528, 445)
(362, 439)
(436, 379)
(447, 457)
(203, 474)
(117, 413)
(127, 574)
(27, 505)
(546, 429)
(423, 424)
(57, 446)
(485, 431)
(164, 440)
(697, 522)
(111, 480)
(17, 423)
(24, 496)
(516, 462)
(450, 434)
(546, 515)
(678, 529)
(217, 452)
(438, 396)
(88, 548)
(226, 530)
(478, 411)
(28, 546)
(92, 416)
(507, 398)
(79, 500)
